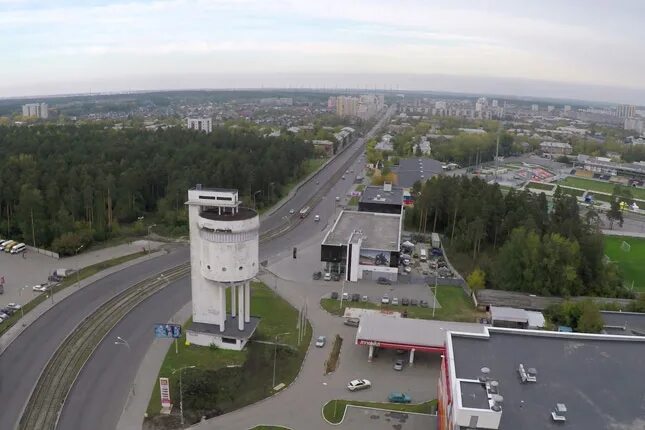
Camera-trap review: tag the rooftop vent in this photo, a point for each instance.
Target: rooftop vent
(493, 387)
(387, 186)
(198, 186)
(559, 414)
(483, 378)
(497, 402)
(529, 375)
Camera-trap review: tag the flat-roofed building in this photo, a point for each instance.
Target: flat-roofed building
(385, 199)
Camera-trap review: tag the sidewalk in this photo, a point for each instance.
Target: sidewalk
(138, 399)
(38, 311)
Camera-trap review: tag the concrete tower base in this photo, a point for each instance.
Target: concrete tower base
(231, 338)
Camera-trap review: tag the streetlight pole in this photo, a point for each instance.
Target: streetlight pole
(120, 341)
(275, 354)
(255, 194)
(78, 268)
(149, 230)
(181, 393)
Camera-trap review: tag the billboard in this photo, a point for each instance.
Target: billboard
(164, 390)
(374, 257)
(172, 331)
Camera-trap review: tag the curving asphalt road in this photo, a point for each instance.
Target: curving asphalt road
(100, 392)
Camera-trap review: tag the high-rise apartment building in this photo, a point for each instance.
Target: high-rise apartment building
(625, 111)
(35, 110)
(200, 124)
(535, 108)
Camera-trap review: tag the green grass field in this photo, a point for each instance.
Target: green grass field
(631, 263)
(600, 186)
(541, 186)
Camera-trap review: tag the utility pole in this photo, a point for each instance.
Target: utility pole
(33, 232)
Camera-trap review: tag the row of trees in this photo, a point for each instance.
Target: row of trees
(517, 240)
(89, 180)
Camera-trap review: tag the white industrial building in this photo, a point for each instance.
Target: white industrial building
(224, 244)
(200, 124)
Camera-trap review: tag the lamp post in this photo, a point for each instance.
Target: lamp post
(255, 194)
(78, 268)
(149, 231)
(181, 395)
(269, 189)
(120, 341)
(275, 353)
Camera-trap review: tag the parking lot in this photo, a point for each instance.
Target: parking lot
(360, 418)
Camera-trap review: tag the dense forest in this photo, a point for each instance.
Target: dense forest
(65, 186)
(518, 241)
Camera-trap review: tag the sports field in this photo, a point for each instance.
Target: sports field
(630, 261)
(599, 186)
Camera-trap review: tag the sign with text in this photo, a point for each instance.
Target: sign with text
(172, 331)
(164, 389)
(369, 343)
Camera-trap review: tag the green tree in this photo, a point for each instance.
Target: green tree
(590, 319)
(476, 280)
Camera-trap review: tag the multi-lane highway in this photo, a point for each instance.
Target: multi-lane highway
(99, 394)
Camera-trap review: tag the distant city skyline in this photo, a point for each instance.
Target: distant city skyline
(585, 50)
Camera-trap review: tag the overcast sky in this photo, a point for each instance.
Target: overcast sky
(63, 46)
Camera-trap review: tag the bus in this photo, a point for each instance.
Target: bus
(423, 255)
(304, 211)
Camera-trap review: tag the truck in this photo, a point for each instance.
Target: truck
(423, 255)
(436, 240)
(304, 212)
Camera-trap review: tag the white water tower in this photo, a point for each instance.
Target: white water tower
(224, 253)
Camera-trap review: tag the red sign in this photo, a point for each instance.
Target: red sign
(369, 343)
(164, 389)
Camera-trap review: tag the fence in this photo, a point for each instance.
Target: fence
(44, 252)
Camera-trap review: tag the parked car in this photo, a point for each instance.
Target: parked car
(321, 341)
(334, 295)
(335, 277)
(327, 276)
(385, 299)
(364, 299)
(292, 211)
(356, 297)
(352, 322)
(414, 302)
(423, 303)
(395, 301)
(343, 177)
(399, 398)
(398, 365)
(405, 301)
(408, 269)
(337, 198)
(383, 281)
(41, 287)
(4, 316)
(317, 276)
(317, 218)
(358, 384)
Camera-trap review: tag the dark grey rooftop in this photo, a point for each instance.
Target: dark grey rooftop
(380, 231)
(624, 323)
(227, 215)
(474, 395)
(411, 170)
(600, 380)
(374, 194)
(230, 328)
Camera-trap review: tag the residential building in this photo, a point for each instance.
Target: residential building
(625, 111)
(35, 110)
(567, 108)
(535, 107)
(556, 148)
(200, 124)
(550, 108)
(635, 124)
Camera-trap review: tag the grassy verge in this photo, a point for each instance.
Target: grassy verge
(541, 186)
(455, 306)
(630, 262)
(85, 272)
(224, 380)
(360, 187)
(572, 191)
(332, 363)
(353, 201)
(334, 410)
(600, 186)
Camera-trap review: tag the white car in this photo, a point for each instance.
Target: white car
(292, 211)
(345, 296)
(408, 269)
(337, 198)
(317, 218)
(358, 384)
(320, 341)
(395, 301)
(14, 306)
(327, 276)
(398, 365)
(40, 287)
(385, 299)
(3, 316)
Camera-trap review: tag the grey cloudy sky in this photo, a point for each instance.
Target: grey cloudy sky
(570, 48)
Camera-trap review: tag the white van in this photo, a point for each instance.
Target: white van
(423, 255)
(6, 247)
(17, 249)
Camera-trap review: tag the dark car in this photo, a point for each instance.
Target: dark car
(356, 297)
(335, 277)
(414, 302)
(317, 276)
(383, 281)
(423, 303)
(405, 301)
(334, 295)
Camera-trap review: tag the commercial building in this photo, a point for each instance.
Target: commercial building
(411, 170)
(502, 316)
(200, 124)
(35, 110)
(363, 245)
(556, 148)
(385, 199)
(327, 146)
(511, 379)
(224, 244)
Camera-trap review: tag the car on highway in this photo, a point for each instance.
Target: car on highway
(383, 281)
(321, 341)
(395, 301)
(41, 287)
(327, 276)
(358, 384)
(385, 299)
(292, 211)
(396, 397)
(398, 365)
